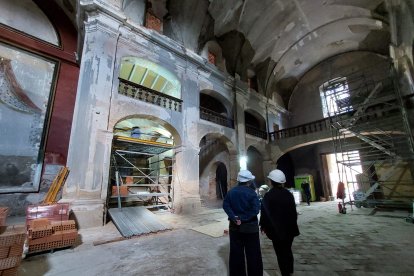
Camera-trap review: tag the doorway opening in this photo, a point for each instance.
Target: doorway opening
(221, 181)
(339, 172)
(142, 161)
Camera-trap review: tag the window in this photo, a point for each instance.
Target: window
(335, 97)
(25, 16)
(26, 84)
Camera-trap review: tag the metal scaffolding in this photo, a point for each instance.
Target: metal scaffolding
(371, 137)
(141, 173)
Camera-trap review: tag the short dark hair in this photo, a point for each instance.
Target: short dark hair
(275, 184)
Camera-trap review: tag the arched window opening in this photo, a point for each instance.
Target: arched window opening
(251, 120)
(213, 53)
(214, 111)
(335, 97)
(150, 75)
(254, 125)
(25, 16)
(213, 104)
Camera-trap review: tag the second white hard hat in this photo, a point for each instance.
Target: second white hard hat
(277, 176)
(244, 176)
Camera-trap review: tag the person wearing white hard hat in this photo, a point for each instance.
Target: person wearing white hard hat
(278, 220)
(242, 206)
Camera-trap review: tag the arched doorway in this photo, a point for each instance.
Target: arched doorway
(142, 160)
(215, 168)
(221, 181)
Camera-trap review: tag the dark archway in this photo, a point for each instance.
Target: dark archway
(211, 103)
(255, 165)
(285, 164)
(221, 181)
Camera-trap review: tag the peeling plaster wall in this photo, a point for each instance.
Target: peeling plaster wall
(134, 10)
(99, 107)
(305, 103)
(402, 49)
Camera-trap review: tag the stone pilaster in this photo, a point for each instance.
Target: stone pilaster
(90, 143)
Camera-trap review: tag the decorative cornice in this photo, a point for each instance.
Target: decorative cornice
(97, 21)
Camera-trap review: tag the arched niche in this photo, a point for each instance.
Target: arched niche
(213, 53)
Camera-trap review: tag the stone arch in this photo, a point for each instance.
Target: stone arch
(161, 123)
(217, 182)
(215, 150)
(146, 158)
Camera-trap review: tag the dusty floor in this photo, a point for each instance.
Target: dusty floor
(357, 243)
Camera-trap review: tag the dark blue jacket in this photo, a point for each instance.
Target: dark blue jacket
(242, 201)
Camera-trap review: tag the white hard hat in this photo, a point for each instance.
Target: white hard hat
(277, 176)
(264, 187)
(245, 176)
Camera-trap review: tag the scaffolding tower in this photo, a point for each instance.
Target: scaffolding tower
(141, 172)
(371, 137)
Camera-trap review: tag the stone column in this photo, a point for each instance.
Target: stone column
(185, 181)
(186, 175)
(240, 104)
(90, 142)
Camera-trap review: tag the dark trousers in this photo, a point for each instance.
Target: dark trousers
(284, 255)
(308, 197)
(245, 245)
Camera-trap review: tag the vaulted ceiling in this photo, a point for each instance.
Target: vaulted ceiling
(279, 39)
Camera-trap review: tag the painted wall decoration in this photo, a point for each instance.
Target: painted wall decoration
(26, 84)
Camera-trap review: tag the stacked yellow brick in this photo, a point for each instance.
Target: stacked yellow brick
(44, 234)
(11, 245)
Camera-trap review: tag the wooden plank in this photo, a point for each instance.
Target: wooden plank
(56, 186)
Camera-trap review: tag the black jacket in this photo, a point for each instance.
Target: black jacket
(278, 214)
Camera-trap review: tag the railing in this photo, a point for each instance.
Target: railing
(373, 112)
(217, 118)
(139, 92)
(256, 132)
(311, 127)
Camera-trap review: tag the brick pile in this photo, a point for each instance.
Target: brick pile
(11, 248)
(44, 234)
(49, 227)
